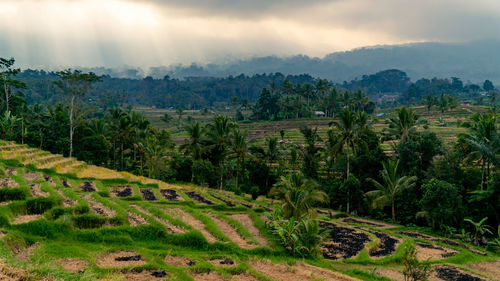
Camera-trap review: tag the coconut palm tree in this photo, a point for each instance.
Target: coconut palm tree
(219, 138)
(392, 186)
(298, 194)
(484, 142)
(403, 125)
(239, 151)
(193, 145)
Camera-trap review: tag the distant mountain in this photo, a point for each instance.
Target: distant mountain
(473, 61)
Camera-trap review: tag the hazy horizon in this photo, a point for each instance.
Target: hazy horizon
(149, 33)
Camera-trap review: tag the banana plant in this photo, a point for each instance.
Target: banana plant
(479, 229)
(495, 243)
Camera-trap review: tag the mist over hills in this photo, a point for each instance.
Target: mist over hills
(472, 61)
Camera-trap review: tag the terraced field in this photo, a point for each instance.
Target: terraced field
(74, 221)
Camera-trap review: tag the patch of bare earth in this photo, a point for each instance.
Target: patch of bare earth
(170, 227)
(122, 191)
(136, 220)
(390, 273)
(8, 182)
(211, 276)
(247, 222)
(145, 275)
(67, 202)
(24, 254)
(244, 277)
(31, 176)
(452, 273)
(9, 273)
(36, 190)
(432, 252)
(26, 218)
(490, 268)
(230, 232)
(299, 272)
(98, 207)
(11, 172)
(120, 259)
(223, 262)
(73, 265)
(178, 261)
(192, 221)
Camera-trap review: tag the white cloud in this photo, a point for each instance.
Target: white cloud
(160, 32)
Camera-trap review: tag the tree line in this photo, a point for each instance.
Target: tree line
(423, 182)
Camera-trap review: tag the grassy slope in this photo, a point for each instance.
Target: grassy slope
(56, 235)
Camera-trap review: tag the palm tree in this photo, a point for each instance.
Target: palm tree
(392, 186)
(298, 194)
(484, 141)
(7, 124)
(403, 125)
(239, 151)
(311, 151)
(155, 157)
(219, 137)
(347, 132)
(193, 145)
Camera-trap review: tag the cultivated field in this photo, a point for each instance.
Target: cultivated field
(64, 220)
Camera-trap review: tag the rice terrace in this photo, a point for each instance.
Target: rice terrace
(237, 140)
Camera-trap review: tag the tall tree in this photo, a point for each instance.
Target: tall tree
(298, 194)
(239, 151)
(7, 72)
(403, 125)
(219, 138)
(76, 84)
(392, 186)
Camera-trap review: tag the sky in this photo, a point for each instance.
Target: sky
(145, 33)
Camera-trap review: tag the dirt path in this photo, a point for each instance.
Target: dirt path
(230, 232)
(298, 272)
(26, 218)
(36, 190)
(99, 208)
(490, 268)
(170, 227)
(247, 222)
(192, 221)
(119, 259)
(432, 252)
(67, 202)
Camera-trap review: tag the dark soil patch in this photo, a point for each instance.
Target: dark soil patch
(148, 194)
(445, 253)
(248, 206)
(65, 183)
(169, 194)
(229, 203)
(122, 191)
(158, 274)
(199, 198)
(346, 242)
(449, 273)
(129, 258)
(48, 179)
(386, 247)
(88, 186)
(441, 240)
(227, 262)
(191, 263)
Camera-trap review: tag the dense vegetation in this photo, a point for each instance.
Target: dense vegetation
(349, 165)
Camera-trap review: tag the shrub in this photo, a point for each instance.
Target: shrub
(8, 194)
(39, 205)
(89, 221)
(413, 269)
(81, 209)
(441, 203)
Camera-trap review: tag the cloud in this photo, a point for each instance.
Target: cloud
(162, 32)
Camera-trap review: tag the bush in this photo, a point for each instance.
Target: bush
(81, 209)
(39, 205)
(441, 203)
(89, 221)
(413, 269)
(9, 194)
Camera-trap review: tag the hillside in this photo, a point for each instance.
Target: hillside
(64, 219)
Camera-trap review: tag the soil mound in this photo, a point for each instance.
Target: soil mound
(195, 196)
(88, 186)
(170, 194)
(345, 242)
(148, 195)
(122, 191)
